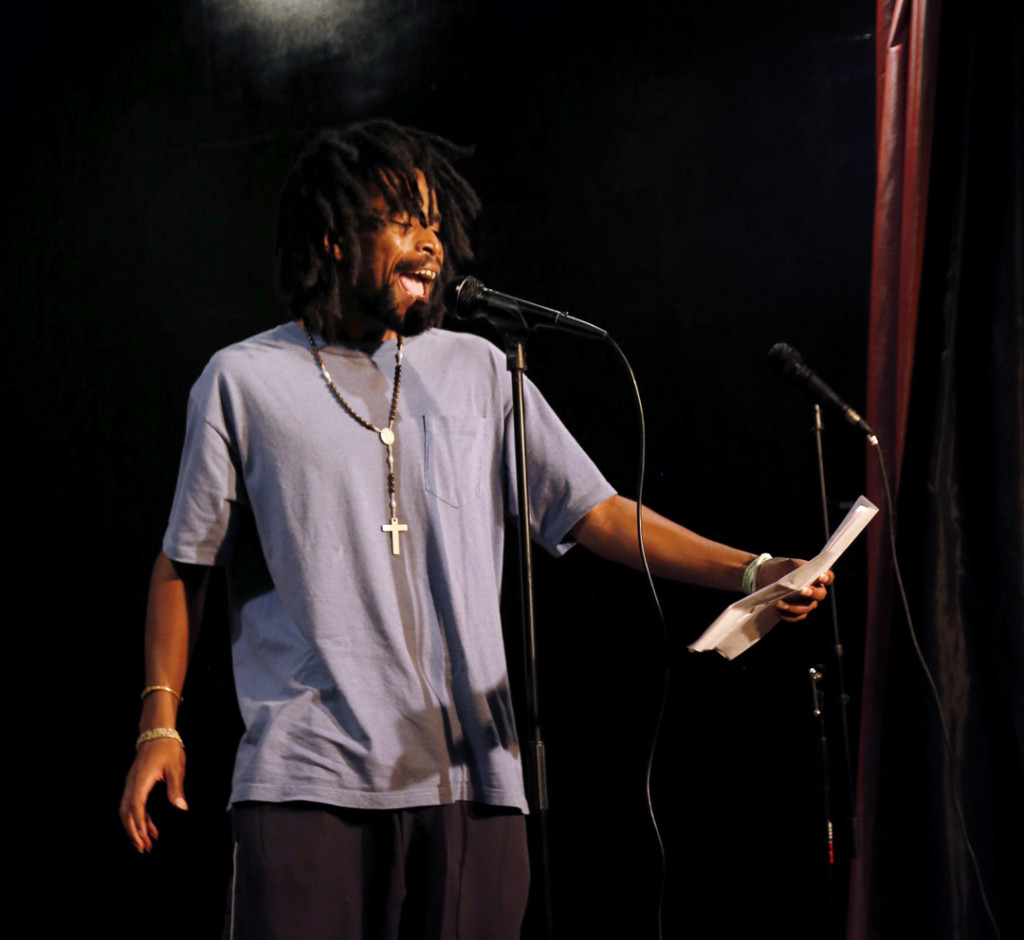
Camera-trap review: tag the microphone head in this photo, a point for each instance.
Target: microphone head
(789, 359)
(462, 294)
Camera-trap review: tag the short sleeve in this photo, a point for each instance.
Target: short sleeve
(210, 492)
(564, 482)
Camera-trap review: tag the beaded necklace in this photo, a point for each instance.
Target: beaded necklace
(386, 434)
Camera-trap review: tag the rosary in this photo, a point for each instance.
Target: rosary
(387, 434)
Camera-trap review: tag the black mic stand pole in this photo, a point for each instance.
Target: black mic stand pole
(818, 711)
(853, 823)
(534, 762)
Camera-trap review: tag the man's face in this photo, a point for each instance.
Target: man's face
(401, 264)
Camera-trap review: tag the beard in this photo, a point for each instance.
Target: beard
(379, 304)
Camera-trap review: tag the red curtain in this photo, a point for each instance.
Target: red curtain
(906, 41)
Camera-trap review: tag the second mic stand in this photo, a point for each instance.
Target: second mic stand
(853, 822)
(816, 676)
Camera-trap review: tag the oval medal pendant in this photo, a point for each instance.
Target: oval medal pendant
(387, 436)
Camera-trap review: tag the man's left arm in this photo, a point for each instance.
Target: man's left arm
(674, 552)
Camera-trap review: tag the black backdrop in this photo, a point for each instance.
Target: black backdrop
(696, 177)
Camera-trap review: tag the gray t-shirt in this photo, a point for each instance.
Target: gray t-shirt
(368, 679)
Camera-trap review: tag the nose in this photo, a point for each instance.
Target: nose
(429, 242)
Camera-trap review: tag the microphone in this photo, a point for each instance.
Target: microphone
(468, 299)
(792, 364)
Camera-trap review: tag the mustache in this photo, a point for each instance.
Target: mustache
(429, 262)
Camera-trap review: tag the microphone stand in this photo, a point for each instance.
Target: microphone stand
(534, 762)
(818, 711)
(853, 822)
(512, 317)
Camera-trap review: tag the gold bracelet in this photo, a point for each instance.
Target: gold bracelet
(155, 733)
(150, 689)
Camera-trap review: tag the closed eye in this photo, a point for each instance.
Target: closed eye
(406, 222)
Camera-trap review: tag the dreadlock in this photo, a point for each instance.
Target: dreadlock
(328, 192)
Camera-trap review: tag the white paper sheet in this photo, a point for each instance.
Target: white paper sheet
(742, 624)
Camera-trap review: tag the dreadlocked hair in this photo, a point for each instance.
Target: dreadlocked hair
(328, 192)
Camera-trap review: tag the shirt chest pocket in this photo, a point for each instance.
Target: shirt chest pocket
(455, 460)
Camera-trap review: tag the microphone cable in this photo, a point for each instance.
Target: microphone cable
(666, 673)
(946, 737)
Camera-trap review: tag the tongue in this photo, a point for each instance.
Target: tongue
(412, 285)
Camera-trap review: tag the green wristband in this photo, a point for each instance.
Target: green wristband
(750, 573)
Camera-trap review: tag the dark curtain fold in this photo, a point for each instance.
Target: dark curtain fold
(960, 525)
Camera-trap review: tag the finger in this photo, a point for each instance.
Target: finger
(176, 787)
(792, 616)
(139, 837)
(129, 827)
(141, 821)
(800, 608)
(128, 818)
(141, 824)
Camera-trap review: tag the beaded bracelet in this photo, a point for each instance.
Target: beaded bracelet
(155, 733)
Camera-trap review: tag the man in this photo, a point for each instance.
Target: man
(351, 471)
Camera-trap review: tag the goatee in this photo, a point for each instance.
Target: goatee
(420, 316)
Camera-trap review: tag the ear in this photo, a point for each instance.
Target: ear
(332, 249)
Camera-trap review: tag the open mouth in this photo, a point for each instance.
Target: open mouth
(417, 283)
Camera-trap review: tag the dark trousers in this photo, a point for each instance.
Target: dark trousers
(316, 872)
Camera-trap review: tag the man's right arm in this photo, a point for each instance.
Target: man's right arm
(173, 614)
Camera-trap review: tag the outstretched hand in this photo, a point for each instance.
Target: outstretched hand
(162, 759)
(793, 607)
